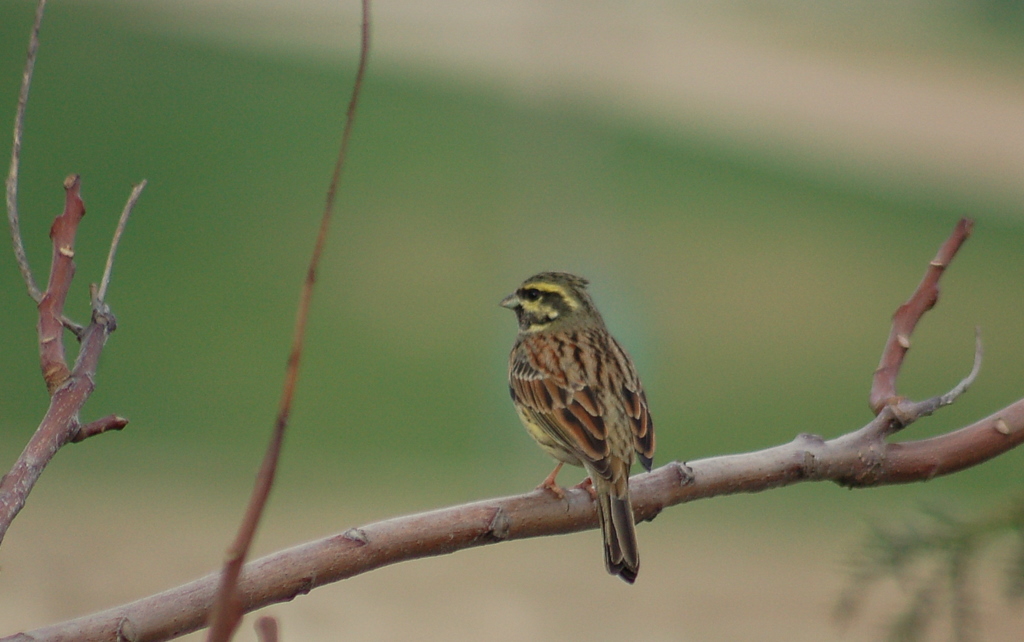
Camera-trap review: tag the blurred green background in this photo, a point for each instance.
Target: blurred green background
(752, 282)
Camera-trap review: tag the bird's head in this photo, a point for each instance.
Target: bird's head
(551, 299)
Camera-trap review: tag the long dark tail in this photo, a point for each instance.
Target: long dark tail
(621, 556)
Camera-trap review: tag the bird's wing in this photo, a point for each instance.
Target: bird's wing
(560, 402)
(635, 402)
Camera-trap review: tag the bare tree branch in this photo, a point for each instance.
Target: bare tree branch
(69, 389)
(13, 217)
(12, 175)
(862, 458)
(125, 213)
(60, 424)
(883, 389)
(910, 411)
(228, 609)
(98, 427)
(51, 305)
(284, 575)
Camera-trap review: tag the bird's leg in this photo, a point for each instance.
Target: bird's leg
(549, 483)
(588, 485)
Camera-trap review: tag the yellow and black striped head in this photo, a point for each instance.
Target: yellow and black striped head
(552, 299)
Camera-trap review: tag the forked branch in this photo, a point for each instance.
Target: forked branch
(883, 388)
(69, 388)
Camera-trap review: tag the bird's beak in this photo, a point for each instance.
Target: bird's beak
(511, 302)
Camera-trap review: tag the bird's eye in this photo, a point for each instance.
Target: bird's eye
(532, 294)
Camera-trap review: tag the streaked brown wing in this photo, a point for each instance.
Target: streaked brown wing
(635, 403)
(640, 422)
(561, 403)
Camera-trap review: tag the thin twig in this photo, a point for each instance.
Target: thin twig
(12, 175)
(228, 609)
(76, 329)
(125, 213)
(883, 388)
(69, 389)
(968, 381)
(909, 412)
(13, 216)
(98, 427)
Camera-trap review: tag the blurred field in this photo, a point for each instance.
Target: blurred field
(753, 289)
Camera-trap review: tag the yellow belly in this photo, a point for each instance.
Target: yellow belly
(547, 443)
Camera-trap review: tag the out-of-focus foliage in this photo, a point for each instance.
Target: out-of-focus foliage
(934, 560)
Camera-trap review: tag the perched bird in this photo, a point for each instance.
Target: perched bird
(577, 392)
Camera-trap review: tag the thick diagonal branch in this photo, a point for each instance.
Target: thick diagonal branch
(853, 460)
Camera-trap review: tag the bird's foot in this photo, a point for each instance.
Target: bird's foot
(588, 485)
(549, 484)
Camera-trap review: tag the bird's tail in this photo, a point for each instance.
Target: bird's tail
(615, 514)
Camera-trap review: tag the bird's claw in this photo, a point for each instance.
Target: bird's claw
(549, 484)
(588, 485)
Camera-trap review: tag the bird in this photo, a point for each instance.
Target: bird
(578, 395)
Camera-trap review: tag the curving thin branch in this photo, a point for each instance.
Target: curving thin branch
(862, 458)
(12, 174)
(909, 411)
(228, 611)
(108, 269)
